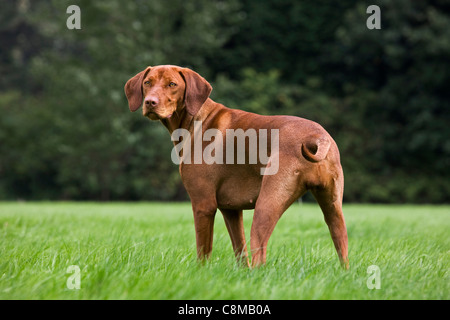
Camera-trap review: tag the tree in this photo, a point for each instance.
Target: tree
(73, 136)
(398, 75)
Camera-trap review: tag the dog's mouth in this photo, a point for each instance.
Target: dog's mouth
(154, 116)
(151, 115)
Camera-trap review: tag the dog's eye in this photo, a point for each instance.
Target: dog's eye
(172, 84)
(147, 83)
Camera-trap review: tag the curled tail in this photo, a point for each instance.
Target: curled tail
(316, 149)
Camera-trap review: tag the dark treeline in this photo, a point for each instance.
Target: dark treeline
(66, 131)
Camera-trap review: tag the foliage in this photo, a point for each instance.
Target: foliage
(66, 132)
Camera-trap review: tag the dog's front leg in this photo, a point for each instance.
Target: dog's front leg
(204, 227)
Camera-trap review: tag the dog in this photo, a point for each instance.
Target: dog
(301, 153)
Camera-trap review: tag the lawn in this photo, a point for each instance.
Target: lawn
(147, 251)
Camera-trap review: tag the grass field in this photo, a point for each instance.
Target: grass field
(147, 251)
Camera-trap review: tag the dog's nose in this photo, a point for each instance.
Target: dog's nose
(151, 101)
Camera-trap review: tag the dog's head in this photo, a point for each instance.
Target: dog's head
(166, 89)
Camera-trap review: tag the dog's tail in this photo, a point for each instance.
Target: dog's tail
(316, 148)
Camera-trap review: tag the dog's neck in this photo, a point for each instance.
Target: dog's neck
(181, 119)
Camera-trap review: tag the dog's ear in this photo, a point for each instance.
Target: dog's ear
(196, 92)
(133, 90)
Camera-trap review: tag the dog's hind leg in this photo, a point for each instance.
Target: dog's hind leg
(329, 198)
(277, 193)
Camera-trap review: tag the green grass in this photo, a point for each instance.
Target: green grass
(147, 251)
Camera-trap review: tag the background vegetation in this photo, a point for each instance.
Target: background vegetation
(65, 128)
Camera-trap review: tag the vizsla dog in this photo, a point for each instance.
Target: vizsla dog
(304, 157)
